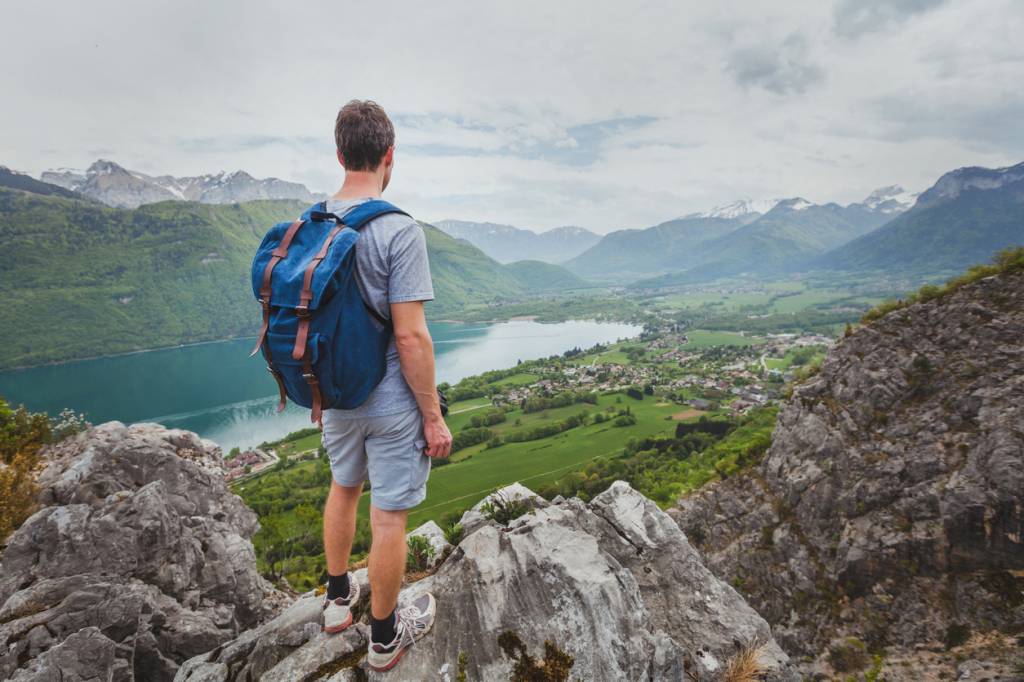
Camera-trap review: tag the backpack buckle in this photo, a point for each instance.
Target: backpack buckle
(310, 378)
(302, 312)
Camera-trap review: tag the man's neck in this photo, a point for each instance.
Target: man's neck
(358, 185)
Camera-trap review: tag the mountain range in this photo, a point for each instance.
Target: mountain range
(968, 215)
(83, 279)
(507, 244)
(964, 218)
(114, 185)
(765, 237)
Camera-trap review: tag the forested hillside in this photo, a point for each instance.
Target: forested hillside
(81, 280)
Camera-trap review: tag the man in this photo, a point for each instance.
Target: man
(394, 433)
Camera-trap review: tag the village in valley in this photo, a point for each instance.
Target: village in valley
(735, 378)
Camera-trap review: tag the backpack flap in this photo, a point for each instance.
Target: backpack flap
(290, 273)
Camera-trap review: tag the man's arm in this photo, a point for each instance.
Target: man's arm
(416, 355)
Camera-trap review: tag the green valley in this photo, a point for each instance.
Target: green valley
(666, 412)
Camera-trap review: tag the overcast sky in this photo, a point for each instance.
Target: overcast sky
(537, 114)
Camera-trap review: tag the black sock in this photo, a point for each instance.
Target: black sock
(382, 631)
(337, 586)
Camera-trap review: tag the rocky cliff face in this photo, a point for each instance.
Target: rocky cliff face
(889, 507)
(609, 590)
(138, 559)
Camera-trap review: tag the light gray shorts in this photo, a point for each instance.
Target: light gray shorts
(388, 448)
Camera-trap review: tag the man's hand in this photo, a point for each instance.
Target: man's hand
(439, 438)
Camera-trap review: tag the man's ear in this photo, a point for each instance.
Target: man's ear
(389, 156)
(341, 159)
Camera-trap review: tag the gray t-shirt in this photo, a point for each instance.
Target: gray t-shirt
(392, 267)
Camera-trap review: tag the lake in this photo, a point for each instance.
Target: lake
(216, 390)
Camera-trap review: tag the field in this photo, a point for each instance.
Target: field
(705, 339)
(476, 471)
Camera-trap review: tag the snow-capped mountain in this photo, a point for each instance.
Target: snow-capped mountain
(952, 184)
(115, 185)
(738, 209)
(892, 199)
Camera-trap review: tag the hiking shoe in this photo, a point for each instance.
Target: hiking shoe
(413, 621)
(338, 612)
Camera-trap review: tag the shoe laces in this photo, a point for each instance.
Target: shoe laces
(410, 622)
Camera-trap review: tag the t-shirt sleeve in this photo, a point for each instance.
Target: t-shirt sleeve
(409, 276)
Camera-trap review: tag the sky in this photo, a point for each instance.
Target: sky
(601, 114)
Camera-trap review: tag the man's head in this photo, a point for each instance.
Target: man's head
(365, 139)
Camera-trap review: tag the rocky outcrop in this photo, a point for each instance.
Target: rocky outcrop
(889, 507)
(609, 590)
(138, 559)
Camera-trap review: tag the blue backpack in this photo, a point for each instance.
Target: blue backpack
(325, 347)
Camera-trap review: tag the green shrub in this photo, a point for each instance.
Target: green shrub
(1007, 261)
(22, 434)
(624, 420)
(957, 634)
(850, 655)
(503, 509)
(420, 553)
(453, 532)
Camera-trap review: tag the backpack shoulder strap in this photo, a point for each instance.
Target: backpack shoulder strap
(355, 217)
(367, 211)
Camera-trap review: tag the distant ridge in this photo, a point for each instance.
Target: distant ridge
(114, 185)
(12, 179)
(507, 244)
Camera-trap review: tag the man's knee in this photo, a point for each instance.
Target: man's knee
(345, 492)
(387, 521)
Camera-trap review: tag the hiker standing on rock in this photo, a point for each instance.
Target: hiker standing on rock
(344, 333)
(393, 434)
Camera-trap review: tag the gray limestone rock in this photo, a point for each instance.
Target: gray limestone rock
(139, 538)
(614, 584)
(890, 506)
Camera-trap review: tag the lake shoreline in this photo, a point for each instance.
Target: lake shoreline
(57, 363)
(213, 388)
(68, 361)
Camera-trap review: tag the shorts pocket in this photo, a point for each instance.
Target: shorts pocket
(420, 469)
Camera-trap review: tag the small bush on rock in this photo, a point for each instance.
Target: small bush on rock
(504, 510)
(554, 667)
(849, 655)
(421, 553)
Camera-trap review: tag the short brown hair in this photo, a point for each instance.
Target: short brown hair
(363, 133)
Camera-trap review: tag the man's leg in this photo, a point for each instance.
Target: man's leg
(344, 442)
(398, 472)
(340, 526)
(387, 560)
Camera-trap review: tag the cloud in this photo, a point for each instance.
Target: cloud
(854, 18)
(783, 68)
(589, 112)
(983, 123)
(520, 136)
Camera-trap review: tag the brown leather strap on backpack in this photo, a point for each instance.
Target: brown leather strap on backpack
(314, 388)
(278, 254)
(306, 297)
(282, 395)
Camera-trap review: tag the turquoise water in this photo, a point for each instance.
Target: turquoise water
(216, 390)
